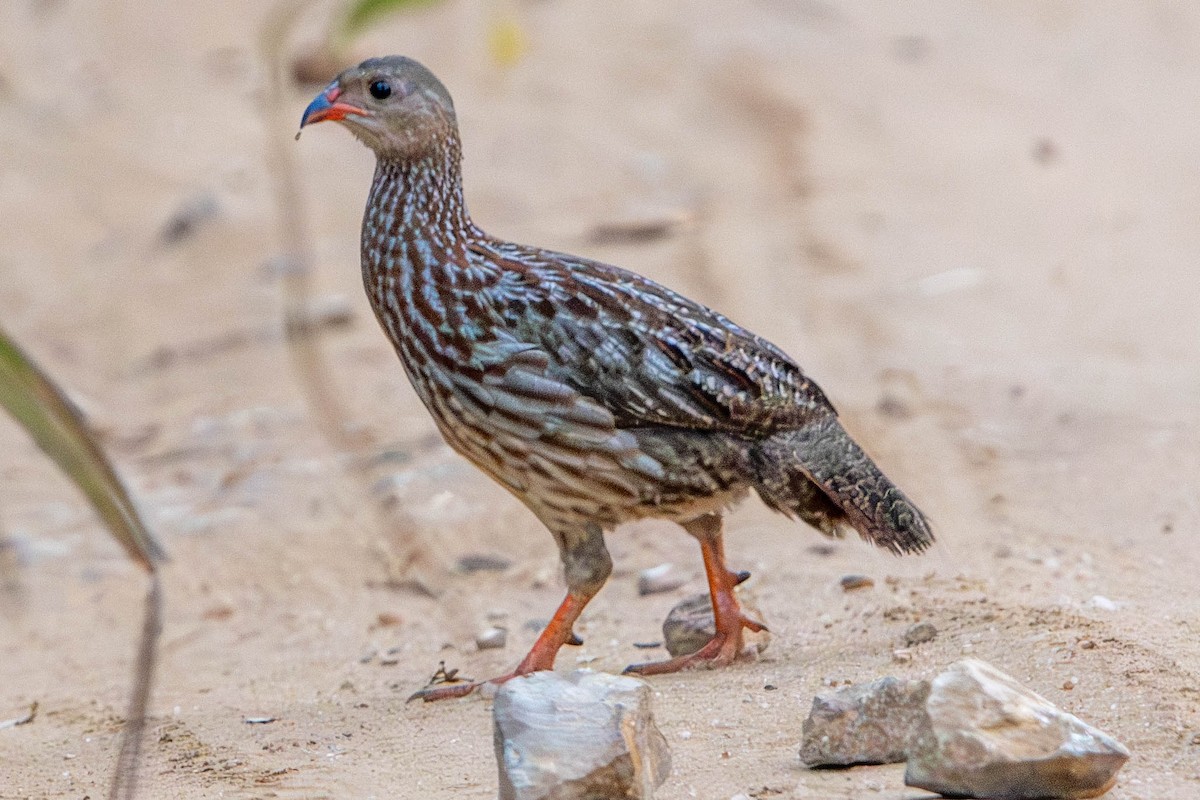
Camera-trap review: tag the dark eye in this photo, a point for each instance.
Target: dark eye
(380, 90)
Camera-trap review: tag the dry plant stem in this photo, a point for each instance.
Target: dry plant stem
(295, 241)
(124, 782)
(303, 345)
(60, 430)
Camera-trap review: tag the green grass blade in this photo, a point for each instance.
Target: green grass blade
(59, 429)
(364, 13)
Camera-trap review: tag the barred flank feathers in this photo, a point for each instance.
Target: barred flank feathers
(822, 453)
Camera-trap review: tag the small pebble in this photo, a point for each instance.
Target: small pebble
(386, 619)
(1044, 151)
(331, 311)
(852, 582)
(902, 655)
(640, 231)
(891, 406)
(662, 578)
(492, 638)
(188, 218)
(481, 562)
(313, 66)
(920, 633)
(1103, 603)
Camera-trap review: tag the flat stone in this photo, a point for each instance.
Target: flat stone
(690, 625)
(989, 736)
(579, 736)
(869, 723)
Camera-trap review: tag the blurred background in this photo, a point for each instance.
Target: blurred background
(975, 224)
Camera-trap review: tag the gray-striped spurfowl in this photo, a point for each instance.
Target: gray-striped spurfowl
(594, 395)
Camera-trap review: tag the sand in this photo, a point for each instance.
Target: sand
(974, 224)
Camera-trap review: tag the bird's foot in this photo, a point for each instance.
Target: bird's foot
(560, 631)
(445, 684)
(444, 691)
(722, 650)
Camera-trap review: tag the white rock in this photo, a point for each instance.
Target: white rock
(492, 638)
(989, 736)
(576, 737)
(663, 578)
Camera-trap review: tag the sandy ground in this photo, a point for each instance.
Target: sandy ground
(973, 223)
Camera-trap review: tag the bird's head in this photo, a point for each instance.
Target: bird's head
(393, 104)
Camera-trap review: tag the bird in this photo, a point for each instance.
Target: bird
(594, 395)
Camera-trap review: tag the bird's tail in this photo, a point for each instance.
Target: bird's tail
(820, 474)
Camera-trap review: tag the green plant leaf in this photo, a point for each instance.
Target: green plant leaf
(364, 13)
(60, 430)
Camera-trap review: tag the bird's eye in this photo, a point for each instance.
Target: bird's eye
(380, 90)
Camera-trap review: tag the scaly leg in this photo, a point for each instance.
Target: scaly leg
(729, 621)
(587, 565)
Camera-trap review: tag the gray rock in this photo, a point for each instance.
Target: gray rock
(870, 723)
(989, 736)
(920, 633)
(582, 736)
(690, 625)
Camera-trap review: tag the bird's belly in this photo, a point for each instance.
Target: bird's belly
(604, 494)
(702, 474)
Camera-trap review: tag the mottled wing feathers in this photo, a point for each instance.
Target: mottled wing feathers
(648, 355)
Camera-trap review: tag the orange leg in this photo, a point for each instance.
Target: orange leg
(540, 657)
(587, 565)
(729, 620)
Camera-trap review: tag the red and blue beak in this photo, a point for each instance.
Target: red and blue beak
(325, 107)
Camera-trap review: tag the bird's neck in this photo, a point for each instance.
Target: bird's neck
(420, 195)
(416, 241)
(415, 216)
